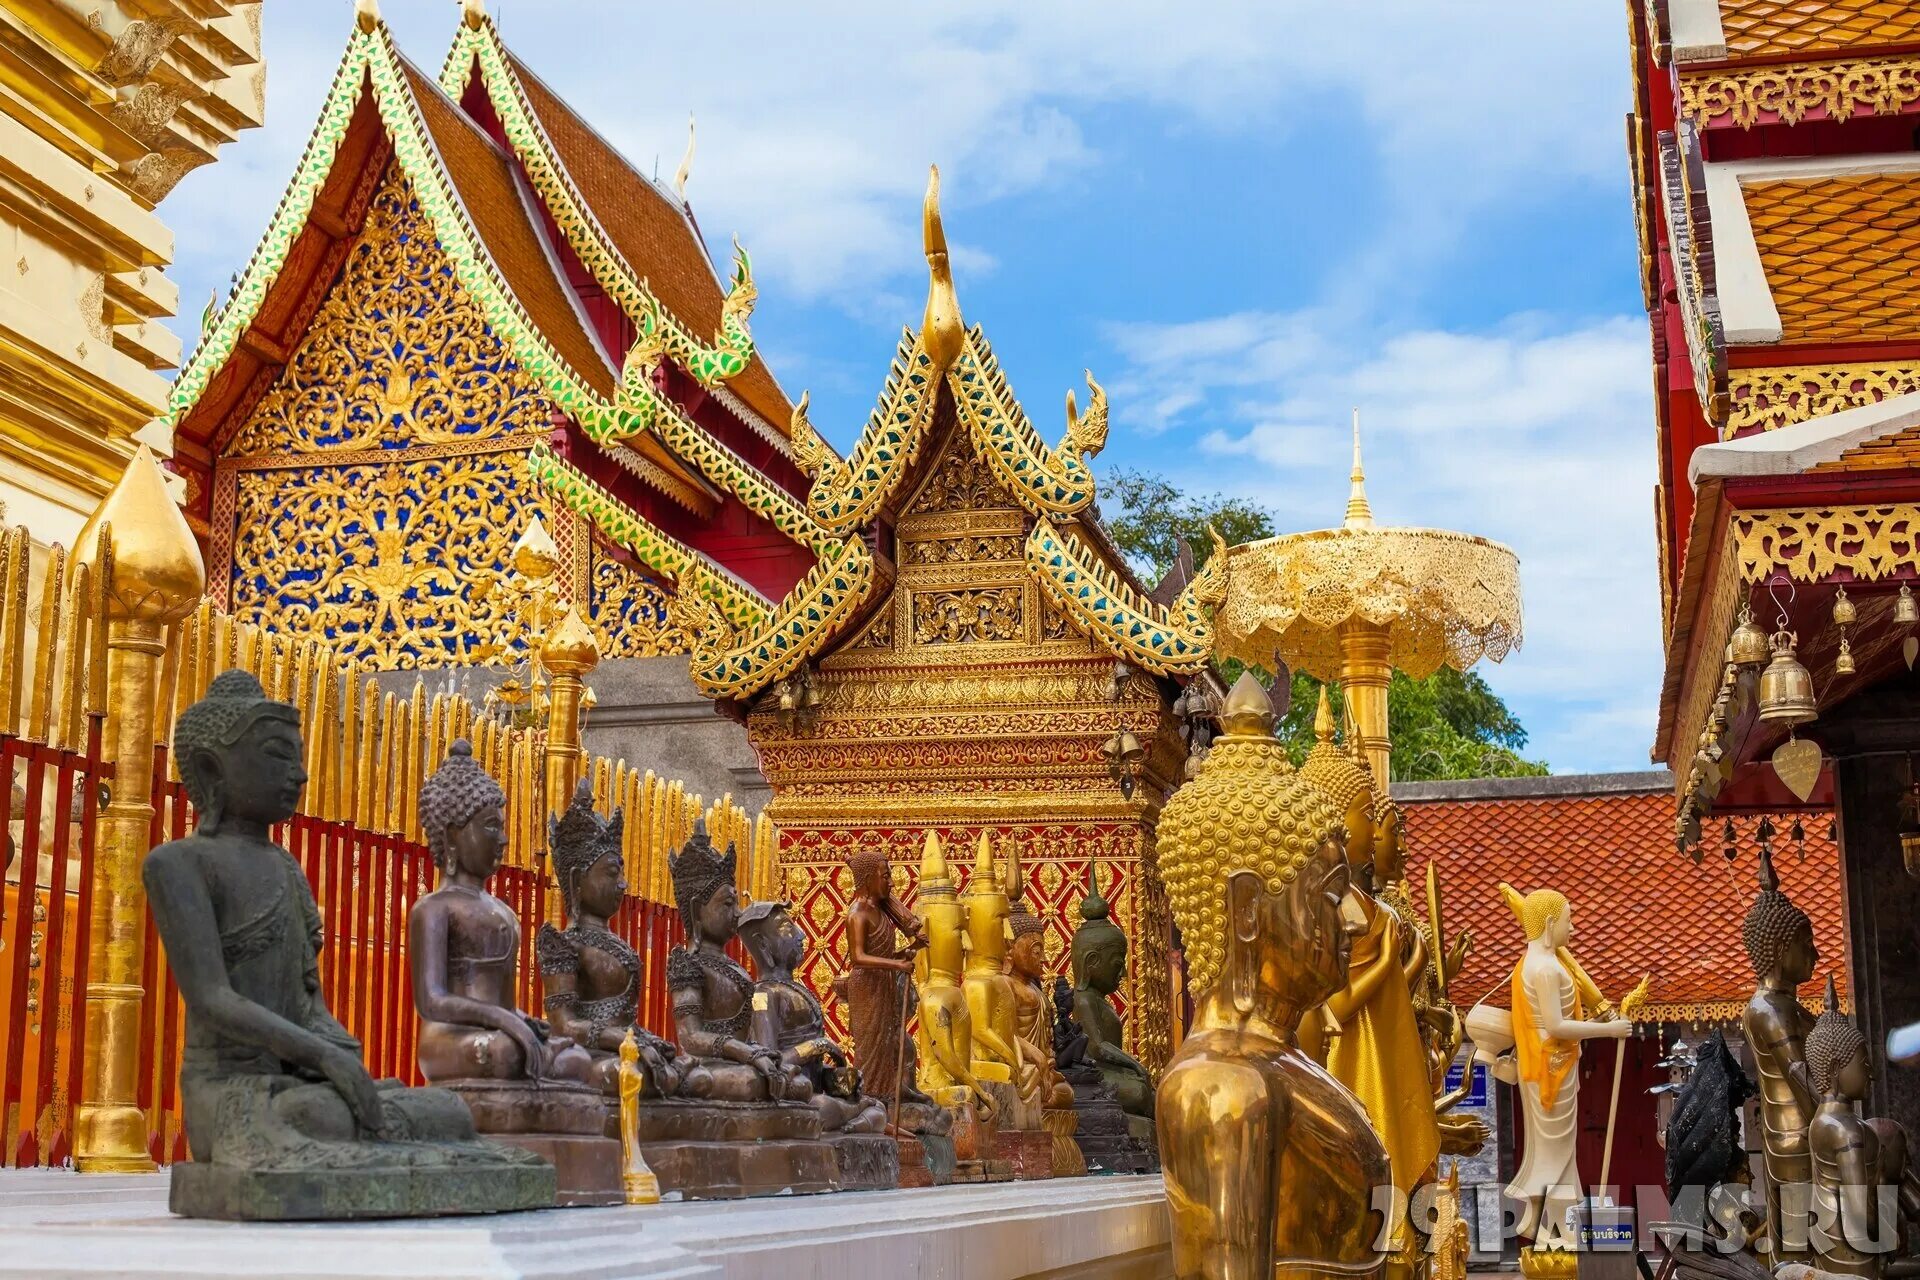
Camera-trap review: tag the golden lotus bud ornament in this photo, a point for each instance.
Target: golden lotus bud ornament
(1786, 688)
(1748, 646)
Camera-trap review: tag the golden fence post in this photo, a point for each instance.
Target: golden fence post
(568, 654)
(153, 576)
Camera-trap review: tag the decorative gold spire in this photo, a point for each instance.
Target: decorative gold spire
(1323, 718)
(535, 554)
(942, 333)
(1359, 514)
(570, 648)
(366, 14)
(685, 170)
(984, 871)
(156, 571)
(933, 862)
(1247, 711)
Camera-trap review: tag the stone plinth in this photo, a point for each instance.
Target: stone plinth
(1028, 1152)
(62, 1226)
(865, 1161)
(734, 1150)
(561, 1123)
(256, 1195)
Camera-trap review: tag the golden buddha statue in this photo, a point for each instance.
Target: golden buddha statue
(1272, 1167)
(1378, 1050)
(945, 1033)
(996, 1035)
(1779, 941)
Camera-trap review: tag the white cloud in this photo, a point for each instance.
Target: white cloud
(1531, 435)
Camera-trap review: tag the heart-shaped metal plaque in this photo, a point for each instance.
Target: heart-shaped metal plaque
(1797, 761)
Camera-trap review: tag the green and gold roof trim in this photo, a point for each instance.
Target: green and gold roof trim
(739, 604)
(709, 363)
(1047, 482)
(735, 662)
(1174, 640)
(847, 495)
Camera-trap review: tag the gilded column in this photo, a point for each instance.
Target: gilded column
(1366, 669)
(568, 654)
(154, 578)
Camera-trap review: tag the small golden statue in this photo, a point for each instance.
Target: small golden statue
(642, 1187)
(996, 1036)
(1272, 1168)
(945, 1034)
(1551, 996)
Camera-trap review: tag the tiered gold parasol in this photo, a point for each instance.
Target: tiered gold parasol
(1354, 603)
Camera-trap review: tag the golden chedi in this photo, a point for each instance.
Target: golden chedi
(1371, 1039)
(1272, 1167)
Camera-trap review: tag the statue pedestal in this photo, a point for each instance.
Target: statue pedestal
(865, 1161)
(1105, 1137)
(975, 1140)
(562, 1123)
(1067, 1160)
(318, 1195)
(1028, 1152)
(732, 1150)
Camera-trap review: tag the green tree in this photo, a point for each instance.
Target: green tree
(1450, 725)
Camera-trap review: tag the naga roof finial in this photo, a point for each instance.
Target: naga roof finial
(942, 332)
(685, 170)
(1359, 514)
(473, 13)
(366, 14)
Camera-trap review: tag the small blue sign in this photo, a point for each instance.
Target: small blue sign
(1477, 1095)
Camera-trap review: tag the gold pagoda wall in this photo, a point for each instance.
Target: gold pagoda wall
(969, 704)
(109, 104)
(373, 495)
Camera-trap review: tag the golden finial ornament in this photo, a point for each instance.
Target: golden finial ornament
(1359, 513)
(157, 571)
(685, 170)
(570, 649)
(473, 13)
(942, 333)
(366, 14)
(535, 553)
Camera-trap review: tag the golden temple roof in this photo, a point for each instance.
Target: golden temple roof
(1769, 28)
(1839, 254)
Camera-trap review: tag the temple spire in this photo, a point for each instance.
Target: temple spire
(1323, 718)
(942, 333)
(1359, 514)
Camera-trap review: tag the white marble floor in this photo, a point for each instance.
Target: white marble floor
(65, 1226)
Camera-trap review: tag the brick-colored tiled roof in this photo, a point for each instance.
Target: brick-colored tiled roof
(1840, 254)
(485, 179)
(1639, 906)
(1762, 28)
(650, 233)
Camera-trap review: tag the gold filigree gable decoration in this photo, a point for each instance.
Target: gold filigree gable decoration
(629, 611)
(1450, 599)
(1767, 399)
(1866, 543)
(399, 354)
(976, 615)
(1842, 90)
(379, 558)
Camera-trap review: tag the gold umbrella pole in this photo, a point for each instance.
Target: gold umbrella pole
(568, 654)
(1366, 669)
(154, 577)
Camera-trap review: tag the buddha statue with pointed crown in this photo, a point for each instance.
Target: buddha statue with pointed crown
(1272, 1167)
(1367, 1035)
(282, 1119)
(524, 1085)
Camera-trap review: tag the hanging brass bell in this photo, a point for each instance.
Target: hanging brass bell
(1786, 688)
(1843, 665)
(1906, 611)
(1748, 646)
(1843, 610)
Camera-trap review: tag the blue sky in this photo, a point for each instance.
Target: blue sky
(1244, 217)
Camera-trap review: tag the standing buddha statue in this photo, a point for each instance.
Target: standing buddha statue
(1779, 941)
(1272, 1167)
(946, 1024)
(996, 1038)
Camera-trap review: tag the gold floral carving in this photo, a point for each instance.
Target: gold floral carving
(962, 549)
(630, 611)
(962, 482)
(980, 615)
(1880, 86)
(398, 355)
(1765, 399)
(1811, 545)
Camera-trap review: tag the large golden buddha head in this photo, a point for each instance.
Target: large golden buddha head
(1251, 855)
(1348, 783)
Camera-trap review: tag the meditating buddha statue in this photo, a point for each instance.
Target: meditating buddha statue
(1272, 1168)
(996, 1037)
(1779, 941)
(524, 1085)
(1098, 963)
(1049, 1096)
(591, 974)
(1368, 1036)
(282, 1119)
(947, 1066)
(1858, 1164)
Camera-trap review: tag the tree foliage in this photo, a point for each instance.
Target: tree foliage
(1450, 725)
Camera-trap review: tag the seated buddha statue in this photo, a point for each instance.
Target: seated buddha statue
(282, 1118)
(1858, 1163)
(1272, 1167)
(1027, 967)
(591, 975)
(1098, 961)
(788, 1017)
(712, 994)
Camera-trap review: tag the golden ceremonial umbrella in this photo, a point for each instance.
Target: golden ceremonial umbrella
(1355, 602)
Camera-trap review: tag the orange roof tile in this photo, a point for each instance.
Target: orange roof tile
(1758, 28)
(1840, 254)
(1639, 906)
(488, 187)
(650, 232)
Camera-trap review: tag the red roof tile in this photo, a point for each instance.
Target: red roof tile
(1639, 906)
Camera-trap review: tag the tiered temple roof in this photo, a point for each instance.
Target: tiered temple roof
(1776, 178)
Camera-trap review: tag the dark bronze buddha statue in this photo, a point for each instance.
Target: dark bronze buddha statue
(282, 1118)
